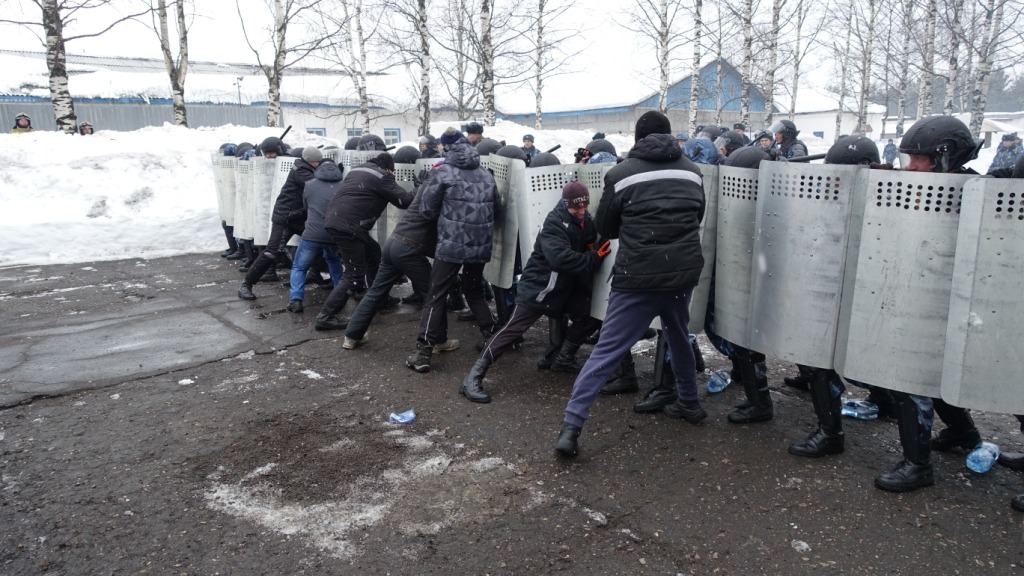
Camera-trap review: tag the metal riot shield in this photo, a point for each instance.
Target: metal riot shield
(263, 196)
(243, 200)
(737, 213)
(281, 170)
(350, 159)
(708, 237)
(332, 153)
(542, 193)
(983, 364)
(224, 183)
(509, 175)
(800, 244)
(405, 175)
(899, 273)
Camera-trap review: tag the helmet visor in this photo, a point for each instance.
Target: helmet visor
(777, 127)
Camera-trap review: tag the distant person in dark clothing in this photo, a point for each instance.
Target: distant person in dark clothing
(316, 240)
(890, 152)
(22, 124)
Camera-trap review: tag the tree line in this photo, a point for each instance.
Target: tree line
(915, 57)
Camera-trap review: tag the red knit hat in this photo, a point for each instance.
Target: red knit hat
(575, 193)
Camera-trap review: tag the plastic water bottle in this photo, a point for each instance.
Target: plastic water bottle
(860, 409)
(982, 458)
(719, 381)
(403, 418)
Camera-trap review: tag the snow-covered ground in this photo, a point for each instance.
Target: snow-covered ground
(149, 193)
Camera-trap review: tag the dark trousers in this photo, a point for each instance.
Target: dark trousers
(628, 317)
(361, 256)
(434, 321)
(279, 236)
(397, 258)
(522, 317)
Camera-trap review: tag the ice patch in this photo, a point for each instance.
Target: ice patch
(90, 268)
(800, 546)
(115, 396)
(186, 381)
(975, 319)
(311, 375)
(261, 471)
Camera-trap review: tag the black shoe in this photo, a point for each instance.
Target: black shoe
(624, 384)
(245, 292)
(269, 276)
(1012, 460)
(906, 476)
(420, 360)
(324, 323)
(689, 410)
(228, 252)
(466, 316)
(472, 385)
(1017, 503)
(456, 304)
(698, 358)
(948, 439)
(295, 306)
(567, 445)
(387, 303)
(750, 414)
(819, 444)
(414, 299)
(800, 382)
(236, 255)
(655, 401)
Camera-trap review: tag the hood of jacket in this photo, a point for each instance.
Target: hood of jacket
(463, 155)
(656, 148)
(328, 172)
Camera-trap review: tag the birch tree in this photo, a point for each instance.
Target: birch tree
(904, 74)
(456, 67)
(698, 29)
(549, 57)
(177, 66)
(991, 30)
(56, 17)
(655, 21)
(747, 22)
(864, 24)
(925, 104)
(487, 62)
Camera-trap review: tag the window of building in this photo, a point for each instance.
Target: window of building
(392, 136)
(819, 134)
(355, 132)
(318, 131)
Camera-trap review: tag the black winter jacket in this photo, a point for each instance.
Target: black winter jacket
(315, 198)
(465, 200)
(363, 196)
(793, 148)
(559, 263)
(653, 203)
(288, 207)
(416, 230)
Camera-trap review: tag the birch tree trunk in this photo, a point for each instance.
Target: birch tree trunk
(718, 76)
(843, 68)
(275, 71)
(56, 63)
(901, 89)
(957, 7)
(357, 52)
(992, 24)
(865, 65)
(698, 27)
(663, 56)
(538, 67)
(748, 59)
(925, 99)
(425, 65)
(487, 62)
(773, 62)
(176, 68)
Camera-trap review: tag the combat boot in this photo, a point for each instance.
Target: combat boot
(472, 386)
(325, 322)
(698, 357)
(567, 445)
(759, 406)
(556, 335)
(566, 359)
(801, 381)
(623, 380)
(245, 291)
(829, 437)
(915, 470)
(420, 361)
(959, 432)
(662, 394)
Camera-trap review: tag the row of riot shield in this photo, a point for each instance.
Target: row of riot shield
(903, 280)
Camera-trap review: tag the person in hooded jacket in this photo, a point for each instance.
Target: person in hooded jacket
(653, 202)
(22, 124)
(428, 147)
(464, 198)
(316, 240)
(353, 211)
(85, 129)
(288, 218)
(557, 280)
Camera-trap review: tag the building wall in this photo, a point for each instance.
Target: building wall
(111, 115)
(825, 122)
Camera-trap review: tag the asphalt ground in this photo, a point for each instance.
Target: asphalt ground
(153, 423)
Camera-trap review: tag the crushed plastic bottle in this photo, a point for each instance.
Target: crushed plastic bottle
(403, 418)
(719, 381)
(983, 457)
(860, 409)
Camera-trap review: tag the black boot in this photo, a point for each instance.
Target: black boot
(473, 384)
(915, 470)
(270, 275)
(229, 233)
(801, 381)
(959, 432)
(663, 394)
(455, 300)
(884, 400)
(556, 335)
(566, 359)
(828, 438)
(566, 444)
(325, 322)
(623, 380)
(420, 361)
(698, 358)
(759, 407)
(250, 255)
(245, 291)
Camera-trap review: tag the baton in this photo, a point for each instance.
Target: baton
(556, 147)
(807, 158)
(392, 147)
(286, 130)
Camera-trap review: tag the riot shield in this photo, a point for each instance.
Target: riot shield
(542, 193)
(800, 244)
(899, 273)
(737, 213)
(708, 238)
(983, 364)
(243, 200)
(263, 196)
(509, 175)
(224, 183)
(351, 158)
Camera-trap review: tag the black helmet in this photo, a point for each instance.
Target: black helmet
(730, 140)
(371, 142)
(352, 143)
(601, 145)
(488, 146)
(429, 141)
(544, 159)
(406, 155)
(763, 134)
(273, 144)
(747, 157)
(709, 132)
(786, 128)
(944, 139)
(511, 151)
(242, 148)
(296, 152)
(853, 150)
